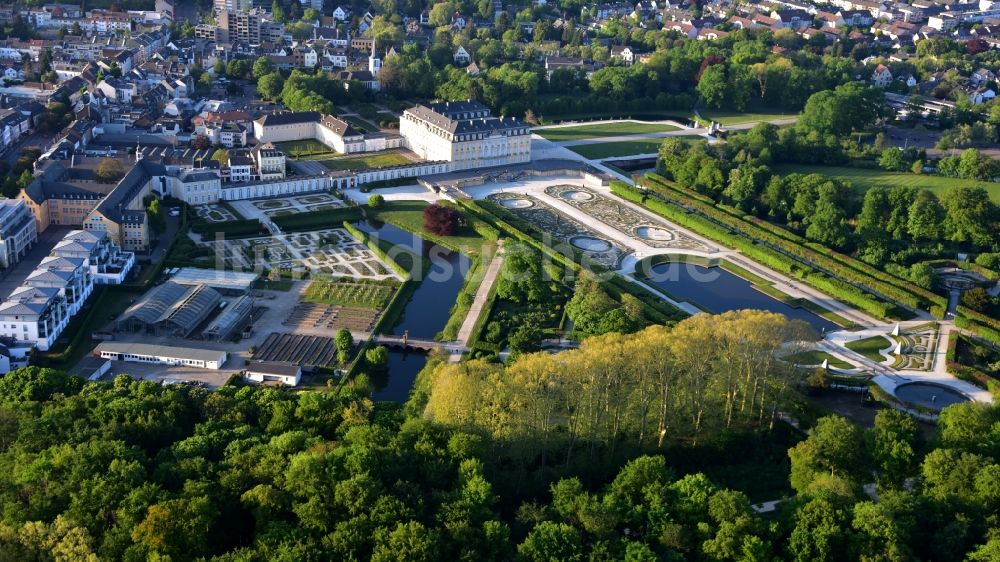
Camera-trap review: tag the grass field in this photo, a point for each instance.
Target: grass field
(869, 347)
(366, 161)
(864, 179)
(581, 132)
(409, 215)
(611, 149)
(817, 358)
(735, 117)
(306, 149)
(356, 293)
(359, 124)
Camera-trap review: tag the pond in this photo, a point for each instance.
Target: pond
(717, 290)
(427, 311)
(929, 395)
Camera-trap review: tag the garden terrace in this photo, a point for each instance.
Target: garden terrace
(362, 293)
(597, 130)
(635, 225)
(549, 220)
(333, 252)
(871, 348)
(919, 343)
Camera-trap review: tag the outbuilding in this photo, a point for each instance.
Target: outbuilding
(273, 371)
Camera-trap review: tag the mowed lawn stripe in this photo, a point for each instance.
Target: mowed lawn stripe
(583, 132)
(863, 179)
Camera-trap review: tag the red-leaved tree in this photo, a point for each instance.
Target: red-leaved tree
(440, 220)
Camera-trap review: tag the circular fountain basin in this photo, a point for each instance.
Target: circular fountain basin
(654, 233)
(929, 395)
(590, 244)
(573, 195)
(516, 203)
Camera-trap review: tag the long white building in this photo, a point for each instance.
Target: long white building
(465, 134)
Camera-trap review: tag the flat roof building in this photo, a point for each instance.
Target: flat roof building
(162, 354)
(273, 371)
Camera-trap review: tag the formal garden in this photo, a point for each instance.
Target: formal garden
(638, 226)
(575, 236)
(331, 252)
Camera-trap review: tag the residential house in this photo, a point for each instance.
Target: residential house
(882, 76)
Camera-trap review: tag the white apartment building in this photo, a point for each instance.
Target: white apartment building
(34, 316)
(240, 169)
(70, 276)
(465, 134)
(38, 311)
(109, 264)
(18, 231)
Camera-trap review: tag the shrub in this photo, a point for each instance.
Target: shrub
(377, 358)
(376, 201)
(989, 260)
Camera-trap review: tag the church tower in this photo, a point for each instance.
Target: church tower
(374, 63)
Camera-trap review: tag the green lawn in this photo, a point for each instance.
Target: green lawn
(864, 179)
(869, 347)
(366, 161)
(817, 358)
(308, 149)
(597, 130)
(360, 125)
(736, 117)
(610, 149)
(409, 215)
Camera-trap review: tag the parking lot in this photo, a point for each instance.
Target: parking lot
(211, 378)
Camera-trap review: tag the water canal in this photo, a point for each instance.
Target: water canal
(427, 311)
(716, 290)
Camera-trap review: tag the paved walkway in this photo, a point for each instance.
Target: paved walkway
(482, 296)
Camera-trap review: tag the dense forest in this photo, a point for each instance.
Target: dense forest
(129, 470)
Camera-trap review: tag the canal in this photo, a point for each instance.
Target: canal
(427, 311)
(716, 290)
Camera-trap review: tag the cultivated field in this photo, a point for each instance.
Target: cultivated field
(362, 293)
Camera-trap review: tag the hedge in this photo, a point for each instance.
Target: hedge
(377, 250)
(785, 245)
(967, 373)
(245, 227)
(317, 219)
(982, 325)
